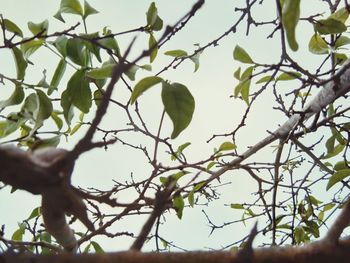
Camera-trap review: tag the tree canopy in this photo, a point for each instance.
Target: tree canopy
(122, 92)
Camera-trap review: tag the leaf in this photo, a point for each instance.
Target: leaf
(12, 27)
(179, 104)
(237, 206)
(60, 44)
(337, 177)
(43, 111)
(227, 146)
(237, 73)
(39, 27)
(35, 213)
(28, 48)
(21, 64)
(243, 86)
(340, 58)
(57, 76)
(98, 95)
(143, 85)
(317, 45)
(299, 234)
(265, 79)
(16, 97)
(328, 207)
(88, 10)
(176, 53)
(78, 91)
(195, 60)
(75, 128)
(291, 75)
(76, 52)
(18, 235)
(71, 7)
(290, 19)
(241, 55)
(157, 25)
(191, 198)
(101, 73)
(97, 247)
(341, 41)
(58, 121)
(152, 14)
(178, 204)
(7, 127)
(312, 228)
(179, 150)
(341, 15)
(131, 73)
(329, 26)
(67, 107)
(153, 47)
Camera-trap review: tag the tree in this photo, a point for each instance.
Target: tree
(299, 186)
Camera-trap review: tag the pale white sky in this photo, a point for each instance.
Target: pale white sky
(211, 86)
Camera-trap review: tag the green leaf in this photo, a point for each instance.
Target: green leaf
(313, 228)
(28, 48)
(176, 53)
(18, 235)
(227, 146)
(179, 150)
(101, 73)
(97, 247)
(42, 27)
(16, 97)
(317, 45)
(243, 86)
(7, 127)
(71, 7)
(340, 58)
(43, 111)
(341, 41)
(191, 198)
(76, 51)
(58, 121)
(157, 25)
(290, 19)
(291, 75)
(178, 204)
(12, 27)
(237, 206)
(195, 60)
(21, 64)
(60, 44)
(179, 104)
(88, 10)
(143, 85)
(152, 14)
(67, 107)
(299, 235)
(237, 73)
(50, 142)
(152, 45)
(337, 177)
(98, 95)
(131, 73)
(328, 207)
(341, 15)
(79, 92)
(57, 76)
(341, 165)
(241, 55)
(329, 26)
(35, 213)
(265, 79)
(75, 128)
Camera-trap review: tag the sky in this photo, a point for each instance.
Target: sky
(213, 84)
